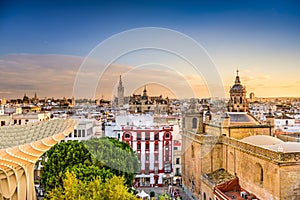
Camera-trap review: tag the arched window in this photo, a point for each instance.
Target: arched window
(241, 100)
(193, 152)
(194, 122)
(204, 196)
(258, 174)
(127, 135)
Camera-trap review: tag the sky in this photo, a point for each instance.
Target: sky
(43, 44)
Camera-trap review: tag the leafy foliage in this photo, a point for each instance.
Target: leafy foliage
(74, 189)
(115, 156)
(100, 158)
(59, 158)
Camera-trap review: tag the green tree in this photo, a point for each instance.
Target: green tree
(88, 173)
(73, 189)
(59, 158)
(114, 155)
(102, 158)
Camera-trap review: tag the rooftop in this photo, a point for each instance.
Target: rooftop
(242, 118)
(272, 143)
(219, 176)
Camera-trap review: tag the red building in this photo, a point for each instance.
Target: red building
(154, 147)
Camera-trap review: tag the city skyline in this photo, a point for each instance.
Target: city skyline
(44, 43)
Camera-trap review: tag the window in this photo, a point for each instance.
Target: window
(194, 123)
(75, 133)
(127, 135)
(156, 157)
(147, 146)
(193, 152)
(177, 161)
(177, 172)
(167, 135)
(167, 168)
(147, 157)
(147, 169)
(83, 133)
(167, 157)
(175, 148)
(79, 133)
(147, 136)
(156, 146)
(138, 136)
(156, 170)
(138, 146)
(156, 137)
(204, 196)
(259, 174)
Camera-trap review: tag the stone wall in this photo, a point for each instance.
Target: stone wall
(268, 174)
(290, 182)
(237, 132)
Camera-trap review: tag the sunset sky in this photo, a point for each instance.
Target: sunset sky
(44, 43)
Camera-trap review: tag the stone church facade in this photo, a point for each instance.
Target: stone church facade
(237, 149)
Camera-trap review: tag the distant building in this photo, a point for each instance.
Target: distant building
(252, 97)
(177, 151)
(120, 93)
(82, 131)
(3, 101)
(148, 104)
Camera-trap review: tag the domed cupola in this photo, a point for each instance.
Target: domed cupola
(237, 87)
(237, 101)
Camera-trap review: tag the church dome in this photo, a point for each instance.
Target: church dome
(237, 88)
(262, 140)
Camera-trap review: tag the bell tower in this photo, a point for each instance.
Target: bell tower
(237, 101)
(120, 93)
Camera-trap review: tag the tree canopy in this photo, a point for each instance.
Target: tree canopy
(95, 158)
(61, 157)
(73, 188)
(115, 156)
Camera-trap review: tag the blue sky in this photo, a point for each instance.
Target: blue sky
(259, 37)
(74, 27)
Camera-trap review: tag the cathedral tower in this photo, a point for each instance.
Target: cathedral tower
(120, 93)
(237, 101)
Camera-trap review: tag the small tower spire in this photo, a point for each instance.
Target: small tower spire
(237, 78)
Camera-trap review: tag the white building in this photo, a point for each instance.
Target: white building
(21, 119)
(82, 131)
